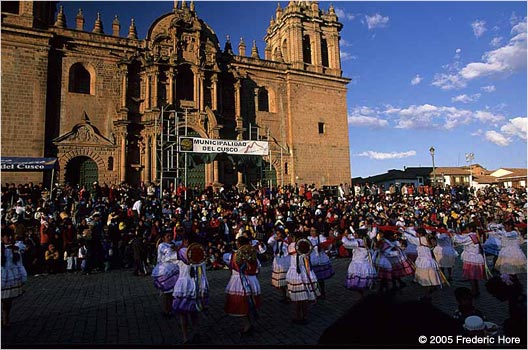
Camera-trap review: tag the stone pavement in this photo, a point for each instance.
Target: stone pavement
(119, 309)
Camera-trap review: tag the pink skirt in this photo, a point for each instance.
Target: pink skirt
(473, 271)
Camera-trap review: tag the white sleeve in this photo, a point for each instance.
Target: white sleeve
(412, 239)
(462, 240)
(271, 240)
(349, 243)
(372, 233)
(227, 258)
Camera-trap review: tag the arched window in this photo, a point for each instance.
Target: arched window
(80, 80)
(307, 50)
(324, 53)
(185, 83)
(111, 163)
(263, 100)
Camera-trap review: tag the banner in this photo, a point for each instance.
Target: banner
(27, 164)
(198, 145)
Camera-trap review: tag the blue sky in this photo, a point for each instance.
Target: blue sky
(446, 74)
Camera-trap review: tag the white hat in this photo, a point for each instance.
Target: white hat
(474, 323)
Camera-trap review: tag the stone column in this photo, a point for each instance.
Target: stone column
(155, 89)
(170, 87)
(147, 159)
(215, 171)
(214, 92)
(154, 161)
(201, 79)
(147, 91)
(124, 84)
(122, 159)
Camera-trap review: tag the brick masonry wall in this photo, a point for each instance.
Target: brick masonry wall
(24, 78)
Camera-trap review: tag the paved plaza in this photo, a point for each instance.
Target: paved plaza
(119, 309)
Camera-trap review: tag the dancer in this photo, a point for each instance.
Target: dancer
(14, 275)
(511, 260)
(191, 291)
(302, 282)
(427, 272)
(473, 267)
(361, 272)
(382, 249)
(444, 252)
(319, 261)
(243, 289)
(166, 272)
(281, 262)
(492, 245)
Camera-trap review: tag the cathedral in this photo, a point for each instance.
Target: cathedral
(109, 106)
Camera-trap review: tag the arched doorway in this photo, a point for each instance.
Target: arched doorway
(81, 171)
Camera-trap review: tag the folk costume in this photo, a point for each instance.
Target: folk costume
(301, 279)
(473, 267)
(191, 291)
(281, 261)
(319, 261)
(427, 269)
(166, 272)
(511, 258)
(444, 251)
(14, 276)
(243, 289)
(361, 273)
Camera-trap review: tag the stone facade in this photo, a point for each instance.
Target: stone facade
(83, 95)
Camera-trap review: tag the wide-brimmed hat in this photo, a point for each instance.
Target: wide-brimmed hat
(474, 323)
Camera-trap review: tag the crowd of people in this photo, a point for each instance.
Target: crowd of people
(181, 233)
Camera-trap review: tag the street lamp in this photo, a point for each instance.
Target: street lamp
(469, 160)
(432, 151)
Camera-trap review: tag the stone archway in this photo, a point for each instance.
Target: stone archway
(81, 170)
(66, 159)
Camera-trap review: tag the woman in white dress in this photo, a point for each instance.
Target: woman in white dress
(361, 273)
(191, 291)
(166, 272)
(281, 262)
(319, 260)
(302, 282)
(511, 260)
(473, 267)
(14, 275)
(445, 253)
(427, 273)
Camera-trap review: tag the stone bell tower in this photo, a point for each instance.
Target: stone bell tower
(305, 37)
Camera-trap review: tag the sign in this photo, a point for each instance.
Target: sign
(27, 164)
(247, 147)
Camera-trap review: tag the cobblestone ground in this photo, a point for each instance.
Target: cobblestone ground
(118, 308)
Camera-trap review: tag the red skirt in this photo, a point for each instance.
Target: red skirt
(239, 305)
(473, 271)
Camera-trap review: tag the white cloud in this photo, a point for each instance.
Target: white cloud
(385, 156)
(458, 51)
(496, 41)
(342, 14)
(465, 98)
(501, 61)
(416, 80)
(428, 116)
(362, 116)
(488, 88)
(344, 43)
(479, 27)
(376, 21)
(345, 56)
(477, 133)
(448, 81)
(516, 127)
(487, 117)
(505, 59)
(497, 138)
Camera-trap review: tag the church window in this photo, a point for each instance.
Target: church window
(321, 128)
(307, 50)
(324, 53)
(111, 163)
(286, 168)
(80, 79)
(263, 100)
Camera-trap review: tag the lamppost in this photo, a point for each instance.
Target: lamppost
(432, 151)
(469, 160)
